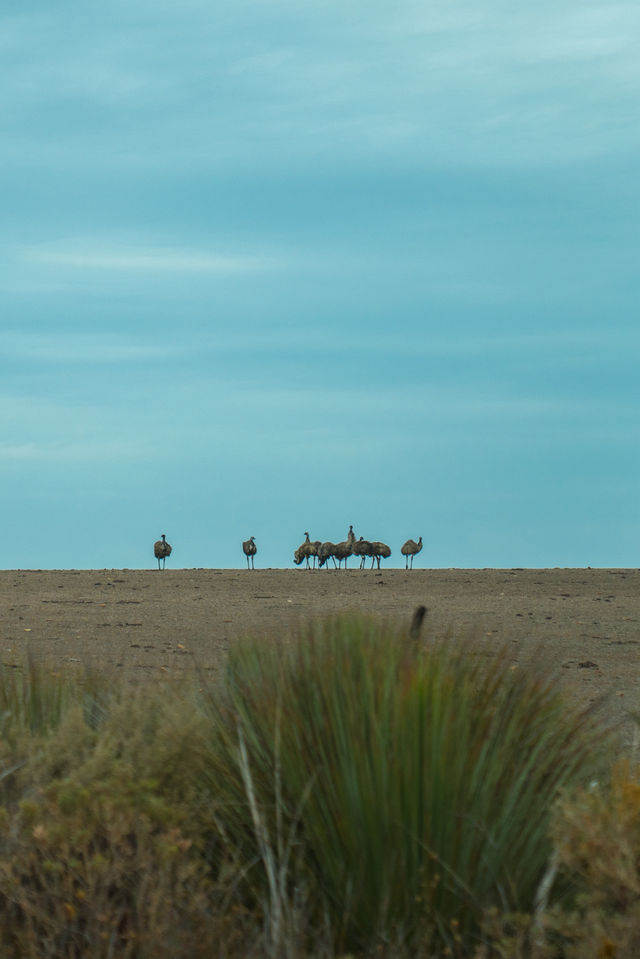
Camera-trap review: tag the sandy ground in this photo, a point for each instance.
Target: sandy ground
(146, 623)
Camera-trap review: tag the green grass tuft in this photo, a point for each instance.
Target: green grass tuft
(419, 778)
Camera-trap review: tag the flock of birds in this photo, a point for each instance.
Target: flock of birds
(310, 551)
(316, 551)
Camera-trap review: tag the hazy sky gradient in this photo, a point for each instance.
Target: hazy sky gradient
(270, 267)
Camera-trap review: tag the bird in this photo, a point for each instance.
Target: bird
(379, 550)
(302, 553)
(338, 551)
(410, 549)
(305, 550)
(161, 550)
(249, 549)
(326, 551)
(362, 548)
(342, 551)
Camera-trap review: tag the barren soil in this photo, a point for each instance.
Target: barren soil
(148, 623)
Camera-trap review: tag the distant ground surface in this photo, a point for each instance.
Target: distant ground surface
(156, 623)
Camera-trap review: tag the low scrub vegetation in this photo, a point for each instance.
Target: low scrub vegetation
(354, 790)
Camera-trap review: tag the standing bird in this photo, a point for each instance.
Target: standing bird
(326, 551)
(362, 548)
(306, 550)
(410, 549)
(379, 550)
(342, 551)
(161, 550)
(250, 549)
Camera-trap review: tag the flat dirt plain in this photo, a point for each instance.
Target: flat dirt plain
(152, 624)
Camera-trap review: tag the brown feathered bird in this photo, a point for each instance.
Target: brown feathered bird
(362, 548)
(379, 550)
(325, 553)
(342, 551)
(410, 549)
(249, 549)
(161, 550)
(306, 550)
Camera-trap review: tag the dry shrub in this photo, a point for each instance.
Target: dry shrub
(94, 859)
(99, 878)
(106, 828)
(100, 836)
(597, 837)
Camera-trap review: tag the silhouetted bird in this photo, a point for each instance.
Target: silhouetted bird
(410, 549)
(161, 550)
(379, 550)
(249, 549)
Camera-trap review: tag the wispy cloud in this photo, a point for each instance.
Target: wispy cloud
(87, 348)
(74, 452)
(149, 259)
(282, 80)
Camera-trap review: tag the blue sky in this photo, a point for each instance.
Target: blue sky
(270, 267)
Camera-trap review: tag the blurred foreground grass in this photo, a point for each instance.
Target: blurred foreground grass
(356, 789)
